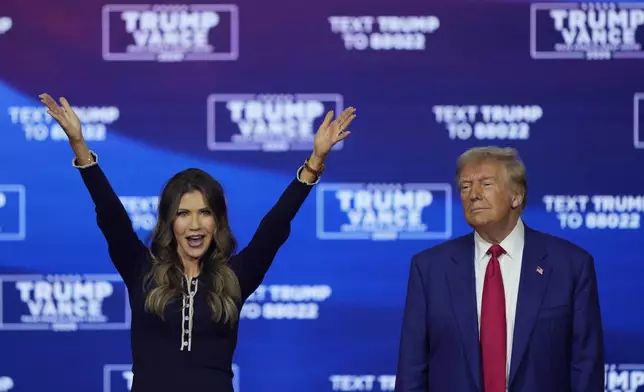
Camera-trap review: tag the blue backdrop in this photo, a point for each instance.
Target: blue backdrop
(238, 89)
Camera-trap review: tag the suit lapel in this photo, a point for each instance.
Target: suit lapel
(462, 288)
(535, 275)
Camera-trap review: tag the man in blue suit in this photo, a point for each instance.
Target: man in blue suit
(506, 308)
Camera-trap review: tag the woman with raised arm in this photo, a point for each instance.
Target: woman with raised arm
(186, 290)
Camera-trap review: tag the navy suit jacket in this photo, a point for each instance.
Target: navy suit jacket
(558, 336)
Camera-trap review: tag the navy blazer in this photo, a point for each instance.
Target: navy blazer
(558, 332)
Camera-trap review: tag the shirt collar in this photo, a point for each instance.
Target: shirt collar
(512, 244)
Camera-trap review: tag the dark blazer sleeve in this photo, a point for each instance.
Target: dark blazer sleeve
(587, 365)
(411, 374)
(252, 263)
(125, 248)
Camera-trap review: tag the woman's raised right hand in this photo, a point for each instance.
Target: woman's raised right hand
(65, 116)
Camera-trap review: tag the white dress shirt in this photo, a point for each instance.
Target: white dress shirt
(510, 263)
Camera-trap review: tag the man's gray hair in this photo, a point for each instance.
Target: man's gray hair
(507, 156)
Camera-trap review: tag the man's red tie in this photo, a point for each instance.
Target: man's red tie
(493, 326)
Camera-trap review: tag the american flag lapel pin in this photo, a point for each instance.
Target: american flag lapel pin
(540, 270)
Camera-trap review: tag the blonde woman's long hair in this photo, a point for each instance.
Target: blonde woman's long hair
(164, 282)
